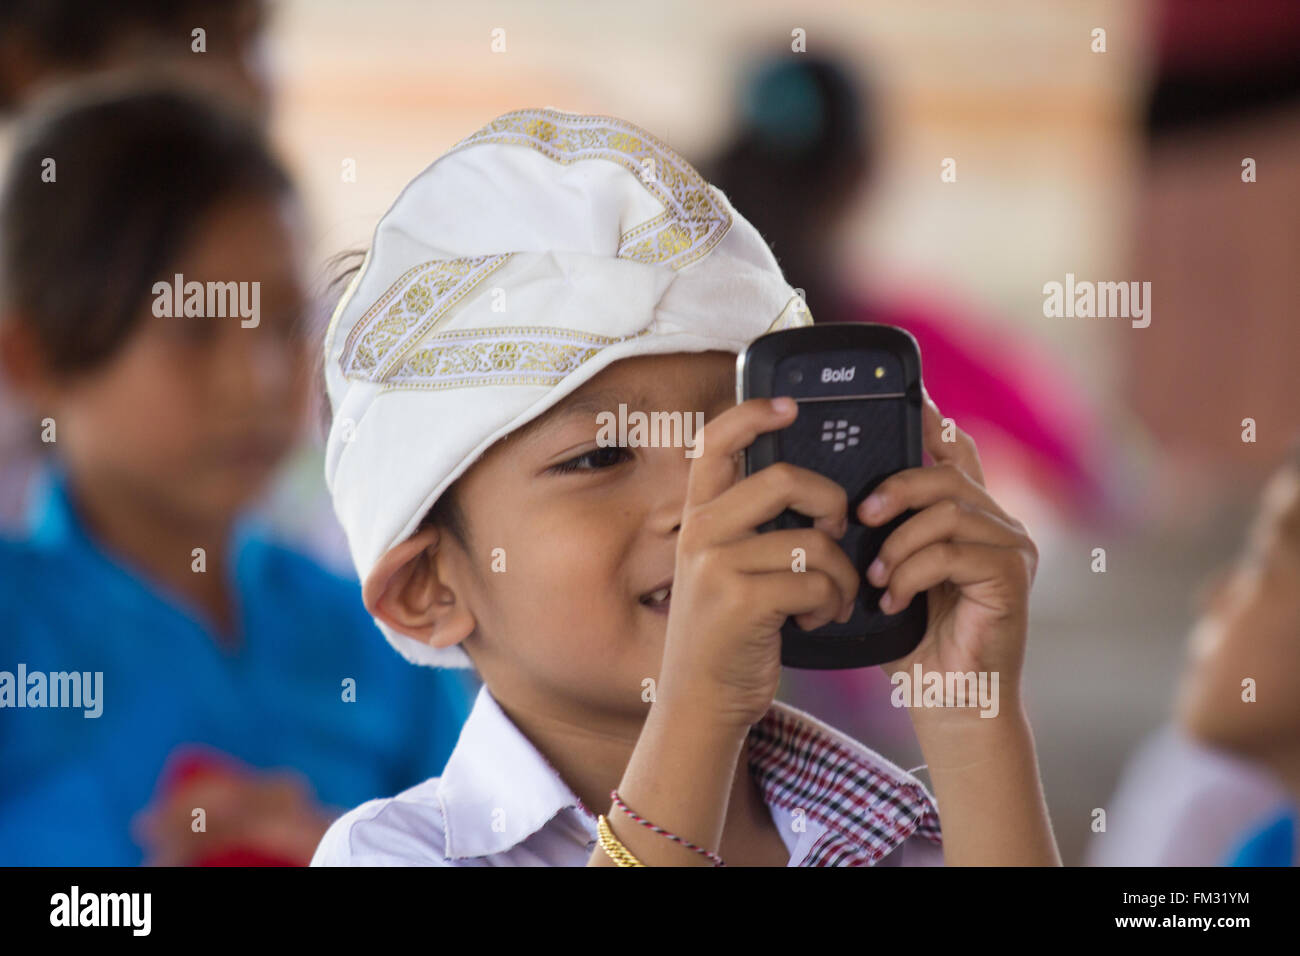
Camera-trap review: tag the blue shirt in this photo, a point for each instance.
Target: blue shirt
(1272, 844)
(70, 784)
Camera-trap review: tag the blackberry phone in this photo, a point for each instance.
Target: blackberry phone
(858, 388)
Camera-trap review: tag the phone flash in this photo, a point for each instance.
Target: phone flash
(880, 371)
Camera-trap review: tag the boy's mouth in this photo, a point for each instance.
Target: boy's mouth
(659, 598)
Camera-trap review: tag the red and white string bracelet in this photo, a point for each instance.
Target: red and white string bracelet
(618, 802)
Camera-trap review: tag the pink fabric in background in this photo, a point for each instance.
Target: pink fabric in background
(980, 376)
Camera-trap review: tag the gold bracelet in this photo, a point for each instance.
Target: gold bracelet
(614, 849)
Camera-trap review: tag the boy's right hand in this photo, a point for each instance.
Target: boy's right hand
(733, 588)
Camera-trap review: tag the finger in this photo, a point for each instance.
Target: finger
(949, 519)
(812, 593)
(765, 494)
(787, 550)
(960, 451)
(917, 488)
(966, 565)
(714, 469)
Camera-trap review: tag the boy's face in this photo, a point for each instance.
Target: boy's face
(581, 548)
(1250, 628)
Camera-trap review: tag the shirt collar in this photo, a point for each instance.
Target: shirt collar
(497, 789)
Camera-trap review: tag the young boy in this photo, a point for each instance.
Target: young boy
(615, 599)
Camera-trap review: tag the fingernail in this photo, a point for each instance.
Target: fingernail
(783, 405)
(876, 572)
(873, 505)
(886, 602)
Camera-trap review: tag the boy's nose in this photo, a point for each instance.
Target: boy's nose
(665, 488)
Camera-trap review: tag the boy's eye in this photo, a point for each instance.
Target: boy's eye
(603, 457)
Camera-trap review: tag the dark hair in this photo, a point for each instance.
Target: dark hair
(447, 515)
(805, 141)
(803, 134)
(137, 165)
(338, 271)
(1215, 64)
(75, 34)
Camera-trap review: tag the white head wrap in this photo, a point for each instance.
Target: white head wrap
(530, 256)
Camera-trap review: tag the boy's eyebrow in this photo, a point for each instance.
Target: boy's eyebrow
(602, 400)
(607, 400)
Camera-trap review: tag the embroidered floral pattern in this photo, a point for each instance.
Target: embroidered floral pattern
(394, 323)
(396, 341)
(694, 221)
(529, 355)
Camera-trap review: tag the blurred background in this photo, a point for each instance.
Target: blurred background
(1113, 155)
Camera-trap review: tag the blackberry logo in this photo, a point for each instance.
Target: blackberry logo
(841, 433)
(838, 374)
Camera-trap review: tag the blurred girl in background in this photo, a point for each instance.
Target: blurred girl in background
(244, 696)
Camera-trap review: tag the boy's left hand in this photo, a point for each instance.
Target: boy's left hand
(976, 560)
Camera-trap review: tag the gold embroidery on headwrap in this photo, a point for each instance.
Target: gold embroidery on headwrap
(419, 299)
(392, 343)
(694, 220)
(518, 355)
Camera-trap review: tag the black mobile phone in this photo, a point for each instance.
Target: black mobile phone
(858, 387)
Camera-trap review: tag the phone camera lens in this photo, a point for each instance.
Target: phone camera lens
(796, 376)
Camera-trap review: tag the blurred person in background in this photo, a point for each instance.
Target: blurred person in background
(1216, 236)
(1220, 249)
(1240, 693)
(44, 42)
(803, 154)
(237, 675)
(47, 42)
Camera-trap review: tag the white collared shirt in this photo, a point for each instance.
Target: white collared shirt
(499, 802)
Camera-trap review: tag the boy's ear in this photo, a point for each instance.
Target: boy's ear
(405, 592)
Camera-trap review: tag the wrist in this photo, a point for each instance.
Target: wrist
(992, 704)
(965, 742)
(691, 717)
